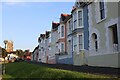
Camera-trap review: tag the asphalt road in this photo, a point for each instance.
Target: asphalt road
(85, 69)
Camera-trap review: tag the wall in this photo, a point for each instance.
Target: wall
(81, 58)
(65, 60)
(86, 25)
(108, 60)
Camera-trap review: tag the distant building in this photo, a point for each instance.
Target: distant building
(9, 46)
(35, 54)
(27, 55)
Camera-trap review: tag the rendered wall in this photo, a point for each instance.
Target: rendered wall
(66, 60)
(108, 60)
(80, 59)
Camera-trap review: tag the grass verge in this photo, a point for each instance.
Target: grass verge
(26, 70)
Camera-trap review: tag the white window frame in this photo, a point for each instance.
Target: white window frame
(78, 18)
(61, 47)
(102, 9)
(69, 23)
(98, 11)
(82, 42)
(61, 30)
(74, 43)
(50, 38)
(74, 27)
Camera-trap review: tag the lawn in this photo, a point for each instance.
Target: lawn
(26, 70)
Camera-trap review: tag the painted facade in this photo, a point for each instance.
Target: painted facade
(52, 42)
(63, 57)
(90, 35)
(42, 55)
(104, 34)
(35, 54)
(80, 34)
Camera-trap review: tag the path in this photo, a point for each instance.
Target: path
(85, 69)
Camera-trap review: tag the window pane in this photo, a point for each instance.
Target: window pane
(102, 10)
(80, 18)
(80, 42)
(69, 26)
(62, 31)
(75, 24)
(75, 16)
(62, 47)
(101, 5)
(80, 22)
(103, 14)
(74, 20)
(79, 14)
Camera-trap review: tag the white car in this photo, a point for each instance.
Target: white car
(1, 59)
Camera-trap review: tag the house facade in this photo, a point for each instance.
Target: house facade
(42, 55)
(35, 54)
(53, 42)
(47, 34)
(80, 33)
(63, 56)
(90, 35)
(104, 34)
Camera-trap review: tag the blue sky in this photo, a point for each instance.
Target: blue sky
(24, 22)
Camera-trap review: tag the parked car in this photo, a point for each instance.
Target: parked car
(1, 59)
(19, 60)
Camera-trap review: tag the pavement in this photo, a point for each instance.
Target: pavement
(115, 72)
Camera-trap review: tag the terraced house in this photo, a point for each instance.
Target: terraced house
(53, 46)
(42, 55)
(63, 56)
(47, 34)
(90, 35)
(35, 54)
(80, 33)
(104, 34)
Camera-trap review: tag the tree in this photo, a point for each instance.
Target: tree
(20, 53)
(4, 53)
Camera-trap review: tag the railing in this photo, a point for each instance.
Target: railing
(62, 53)
(116, 48)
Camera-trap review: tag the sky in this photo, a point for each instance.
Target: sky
(23, 22)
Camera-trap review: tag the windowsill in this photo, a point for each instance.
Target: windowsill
(101, 20)
(81, 50)
(61, 37)
(80, 27)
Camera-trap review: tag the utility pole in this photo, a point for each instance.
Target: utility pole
(5, 42)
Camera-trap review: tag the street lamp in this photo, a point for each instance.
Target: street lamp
(5, 42)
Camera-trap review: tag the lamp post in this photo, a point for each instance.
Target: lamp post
(5, 42)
